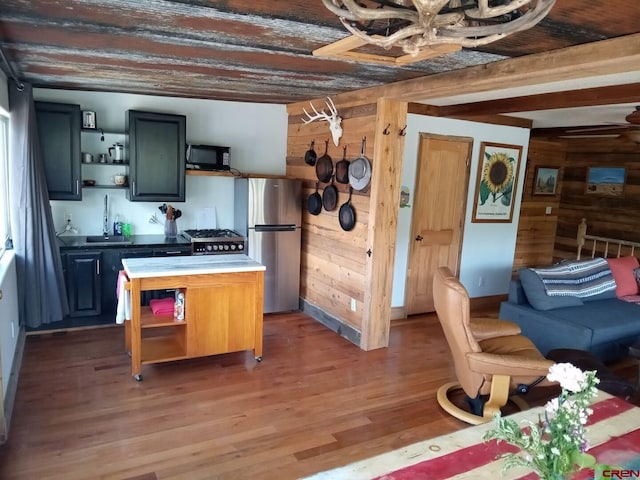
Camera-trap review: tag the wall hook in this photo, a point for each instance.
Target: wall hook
(369, 252)
(403, 131)
(386, 130)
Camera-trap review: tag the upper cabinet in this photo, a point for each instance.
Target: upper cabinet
(156, 145)
(59, 132)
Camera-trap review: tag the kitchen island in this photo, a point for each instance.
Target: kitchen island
(223, 308)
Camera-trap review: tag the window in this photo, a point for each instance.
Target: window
(5, 228)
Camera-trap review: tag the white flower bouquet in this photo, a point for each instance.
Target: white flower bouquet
(556, 445)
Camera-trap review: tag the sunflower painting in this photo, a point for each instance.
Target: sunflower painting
(496, 182)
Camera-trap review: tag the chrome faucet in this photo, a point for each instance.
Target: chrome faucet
(105, 217)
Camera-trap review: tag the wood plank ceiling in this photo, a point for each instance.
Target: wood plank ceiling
(243, 50)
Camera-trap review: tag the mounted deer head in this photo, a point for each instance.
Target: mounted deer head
(333, 119)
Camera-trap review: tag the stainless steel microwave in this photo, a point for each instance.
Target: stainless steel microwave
(208, 157)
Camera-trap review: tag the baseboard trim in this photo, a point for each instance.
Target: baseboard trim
(483, 304)
(398, 313)
(331, 322)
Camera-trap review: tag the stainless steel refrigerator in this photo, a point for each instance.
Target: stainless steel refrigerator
(268, 212)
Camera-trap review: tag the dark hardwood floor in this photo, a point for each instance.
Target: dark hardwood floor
(315, 402)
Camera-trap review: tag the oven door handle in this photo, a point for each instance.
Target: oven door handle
(275, 228)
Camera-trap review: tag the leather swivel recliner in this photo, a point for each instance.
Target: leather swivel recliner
(490, 356)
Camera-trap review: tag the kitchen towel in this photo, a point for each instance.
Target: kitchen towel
(123, 310)
(162, 306)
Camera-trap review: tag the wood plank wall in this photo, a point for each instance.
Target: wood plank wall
(335, 265)
(543, 239)
(616, 217)
(537, 229)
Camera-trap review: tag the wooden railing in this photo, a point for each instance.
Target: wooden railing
(603, 245)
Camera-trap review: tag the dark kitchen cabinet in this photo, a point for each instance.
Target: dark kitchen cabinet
(84, 278)
(112, 264)
(156, 143)
(59, 133)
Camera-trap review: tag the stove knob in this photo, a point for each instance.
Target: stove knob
(226, 247)
(208, 247)
(214, 247)
(233, 247)
(241, 247)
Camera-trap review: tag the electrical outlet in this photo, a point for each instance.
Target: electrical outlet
(353, 305)
(67, 217)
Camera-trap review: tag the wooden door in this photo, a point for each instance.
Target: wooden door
(442, 178)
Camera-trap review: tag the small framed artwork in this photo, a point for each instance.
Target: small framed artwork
(496, 182)
(545, 181)
(606, 181)
(89, 120)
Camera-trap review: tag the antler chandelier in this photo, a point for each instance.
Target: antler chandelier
(414, 24)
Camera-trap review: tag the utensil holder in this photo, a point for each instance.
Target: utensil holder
(170, 229)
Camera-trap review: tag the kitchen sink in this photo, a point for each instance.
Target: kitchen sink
(107, 240)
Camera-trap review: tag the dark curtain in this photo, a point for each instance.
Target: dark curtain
(41, 289)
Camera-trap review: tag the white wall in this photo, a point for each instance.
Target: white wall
(487, 248)
(256, 133)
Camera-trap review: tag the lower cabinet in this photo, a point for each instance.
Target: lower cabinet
(92, 277)
(84, 278)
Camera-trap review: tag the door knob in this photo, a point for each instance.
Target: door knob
(419, 238)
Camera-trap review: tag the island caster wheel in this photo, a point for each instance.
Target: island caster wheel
(258, 359)
(138, 377)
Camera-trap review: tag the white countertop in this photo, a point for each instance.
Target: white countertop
(193, 265)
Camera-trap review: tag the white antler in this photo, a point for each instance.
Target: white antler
(334, 119)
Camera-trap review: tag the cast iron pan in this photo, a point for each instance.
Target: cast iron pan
(324, 165)
(330, 197)
(314, 202)
(342, 168)
(347, 215)
(310, 156)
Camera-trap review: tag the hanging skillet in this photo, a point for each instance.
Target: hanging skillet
(360, 170)
(314, 202)
(310, 156)
(342, 168)
(324, 165)
(330, 197)
(347, 215)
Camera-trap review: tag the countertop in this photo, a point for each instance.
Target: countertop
(194, 265)
(79, 241)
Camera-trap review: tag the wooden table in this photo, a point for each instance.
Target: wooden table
(613, 433)
(223, 308)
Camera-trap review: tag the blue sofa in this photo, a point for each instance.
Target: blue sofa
(602, 325)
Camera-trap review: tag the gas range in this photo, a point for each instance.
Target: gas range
(215, 241)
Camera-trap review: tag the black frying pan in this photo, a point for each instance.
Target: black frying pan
(330, 197)
(324, 165)
(342, 168)
(347, 215)
(314, 202)
(310, 156)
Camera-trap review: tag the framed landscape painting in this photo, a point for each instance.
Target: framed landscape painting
(606, 181)
(496, 182)
(545, 181)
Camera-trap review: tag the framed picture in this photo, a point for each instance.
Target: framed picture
(545, 181)
(496, 182)
(606, 181)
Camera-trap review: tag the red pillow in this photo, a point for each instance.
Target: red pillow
(622, 270)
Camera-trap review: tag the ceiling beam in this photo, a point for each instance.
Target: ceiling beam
(627, 93)
(606, 57)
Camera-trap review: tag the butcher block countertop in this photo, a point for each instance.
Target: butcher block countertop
(194, 265)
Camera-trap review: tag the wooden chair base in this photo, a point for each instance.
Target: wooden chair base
(498, 398)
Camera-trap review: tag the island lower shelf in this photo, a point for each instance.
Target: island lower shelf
(222, 314)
